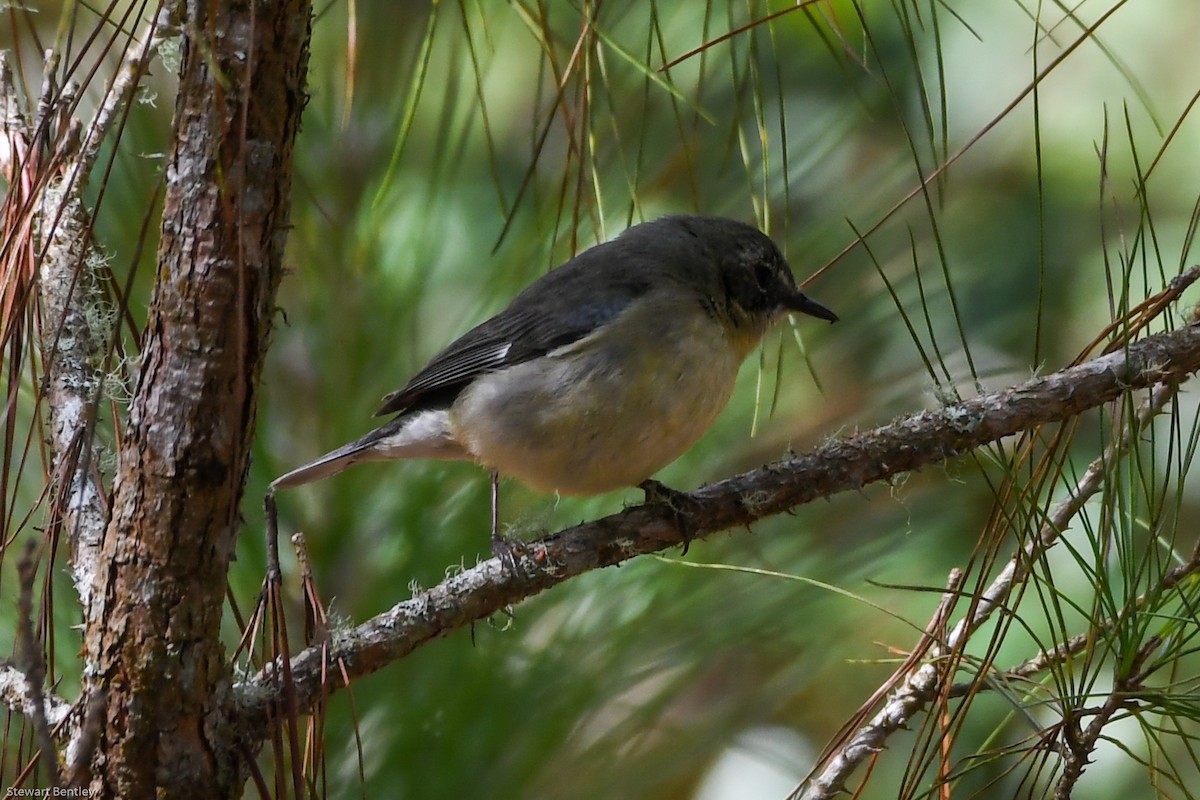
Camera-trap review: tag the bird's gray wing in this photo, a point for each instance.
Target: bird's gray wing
(559, 308)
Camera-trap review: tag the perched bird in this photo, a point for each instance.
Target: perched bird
(601, 372)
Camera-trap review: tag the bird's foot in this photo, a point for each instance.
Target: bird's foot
(510, 550)
(683, 507)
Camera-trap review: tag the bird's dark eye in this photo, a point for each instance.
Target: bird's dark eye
(763, 274)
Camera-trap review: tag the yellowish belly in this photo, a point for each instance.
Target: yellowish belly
(605, 413)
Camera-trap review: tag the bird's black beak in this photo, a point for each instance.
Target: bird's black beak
(806, 305)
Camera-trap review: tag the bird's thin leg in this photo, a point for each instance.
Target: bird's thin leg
(503, 548)
(495, 507)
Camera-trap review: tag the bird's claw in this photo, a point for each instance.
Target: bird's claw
(683, 507)
(509, 551)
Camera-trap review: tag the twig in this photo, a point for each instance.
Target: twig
(163, 26)
(1092, 482)
(1080, 641)
(83, 744)
(15, 694)
(273, 590)
(14, 129)
(840, 465)
(34, 665)
(74, 333)
(72, 348)
(1079, 743)
(913, 693)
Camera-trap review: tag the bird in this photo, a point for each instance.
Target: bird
(601, 372)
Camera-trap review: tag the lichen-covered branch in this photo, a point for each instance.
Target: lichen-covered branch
(15, 694)
(842, 464)
(77, 322)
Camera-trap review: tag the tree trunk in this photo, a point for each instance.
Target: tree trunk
(154, 657)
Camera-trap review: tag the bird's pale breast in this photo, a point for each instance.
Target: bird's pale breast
(610, 410)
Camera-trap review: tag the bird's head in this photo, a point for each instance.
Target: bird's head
(745, 275)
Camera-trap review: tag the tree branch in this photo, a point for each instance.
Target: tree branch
(842, 464)
(919, 680)
(915, 685)
(15, 693)
(1060, 653)
(77, 322)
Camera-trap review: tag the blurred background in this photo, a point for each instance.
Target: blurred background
(453, 152)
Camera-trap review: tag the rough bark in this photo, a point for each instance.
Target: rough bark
(151, 640)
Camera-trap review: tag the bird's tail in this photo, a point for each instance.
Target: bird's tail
(331, 463)
(424, 434)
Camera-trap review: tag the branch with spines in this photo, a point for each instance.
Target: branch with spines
(849, 463)
(924, 438)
